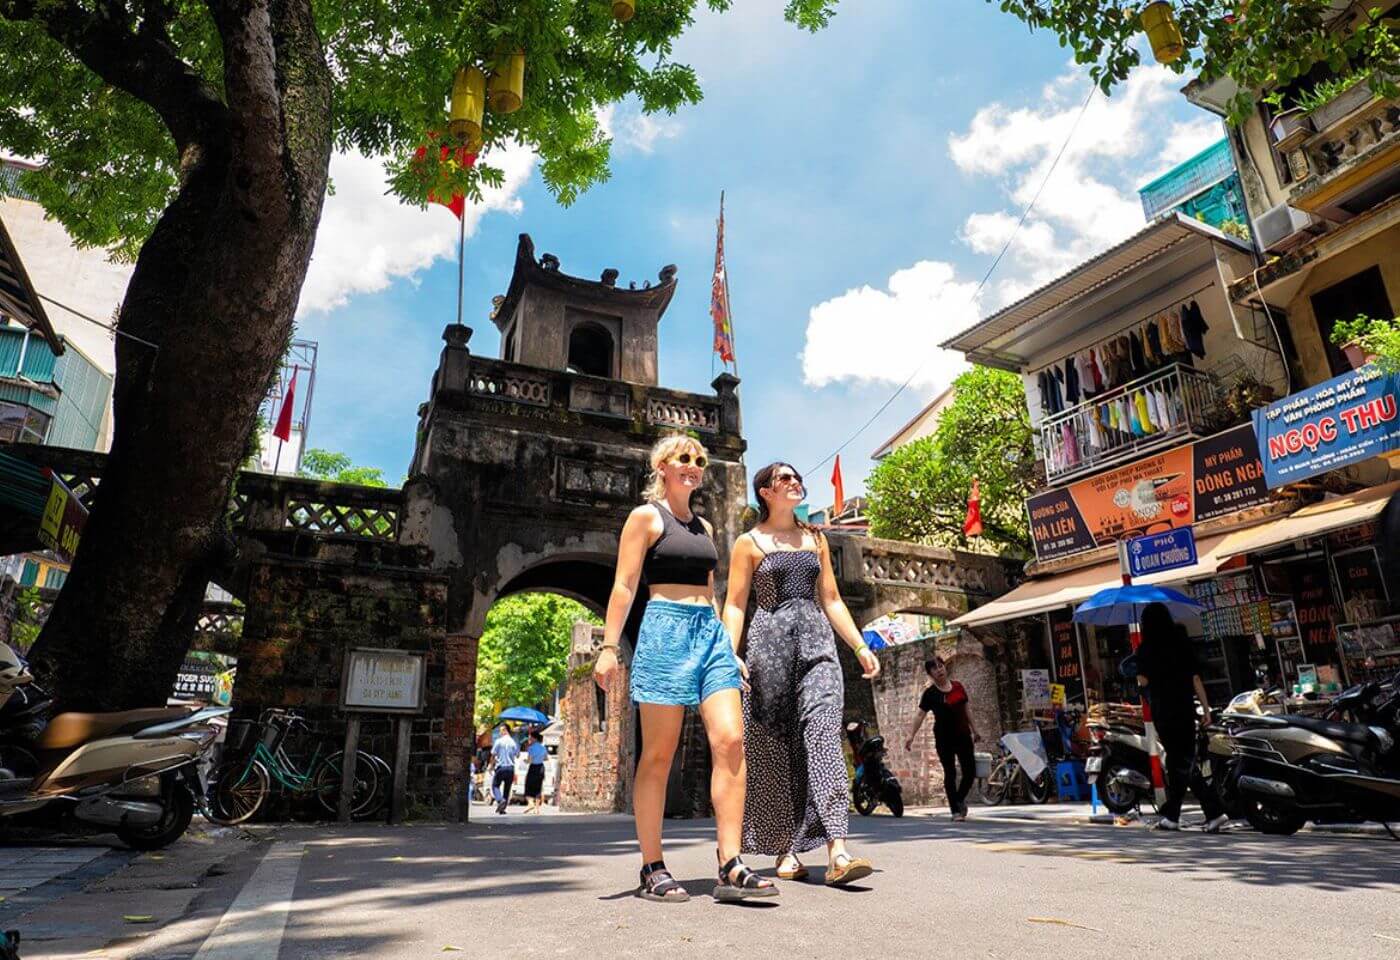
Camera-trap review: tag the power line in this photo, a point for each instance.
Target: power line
(110, 328)
(985, 277)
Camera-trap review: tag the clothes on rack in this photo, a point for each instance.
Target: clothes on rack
(1194, 328)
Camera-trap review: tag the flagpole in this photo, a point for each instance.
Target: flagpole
(461, 258)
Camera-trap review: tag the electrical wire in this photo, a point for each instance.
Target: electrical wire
(110, 328)
(975, 293)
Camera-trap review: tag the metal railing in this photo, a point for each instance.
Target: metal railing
(1118, 425)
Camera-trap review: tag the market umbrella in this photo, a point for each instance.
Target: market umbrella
(524, 715)
(1123, 605)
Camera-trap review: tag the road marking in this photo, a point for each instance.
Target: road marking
(253, 926)
(1046, 850)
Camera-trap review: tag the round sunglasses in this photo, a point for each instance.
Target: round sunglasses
(685, 459)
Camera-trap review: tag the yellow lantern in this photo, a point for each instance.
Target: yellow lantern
(1163, 32)
(506, 89)
(624, 10)
(468, 103)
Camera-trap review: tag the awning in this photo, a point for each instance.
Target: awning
(1053, 593)
(17, 296)
(1314, 520)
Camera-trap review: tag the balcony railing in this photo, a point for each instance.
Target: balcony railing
(1339, 147)
(1116, 426)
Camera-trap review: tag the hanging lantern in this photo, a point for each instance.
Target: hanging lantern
(506, 89)
(1163, 32)
(468, 102)
(624, 10)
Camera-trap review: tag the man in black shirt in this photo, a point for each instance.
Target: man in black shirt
(1168, 671)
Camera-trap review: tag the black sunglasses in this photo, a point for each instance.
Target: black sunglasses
(778, 478)
(700, 461)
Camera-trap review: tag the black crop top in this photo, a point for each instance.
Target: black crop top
(684, 553)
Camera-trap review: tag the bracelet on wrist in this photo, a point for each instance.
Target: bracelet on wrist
(608, 646)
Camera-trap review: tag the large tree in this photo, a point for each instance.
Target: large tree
(524, 651)
(1259, 44)
(194, 137)
(920, 491)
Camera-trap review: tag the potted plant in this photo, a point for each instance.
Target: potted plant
(1290, 124)
(1246, 394)
(1332, 100)
(1366, 340)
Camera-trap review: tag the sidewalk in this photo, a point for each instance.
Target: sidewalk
(73, 900)
(1079, 814)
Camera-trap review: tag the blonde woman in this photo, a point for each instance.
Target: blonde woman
(683, 657)
(798, 794)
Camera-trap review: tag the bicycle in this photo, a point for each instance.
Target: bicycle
(1006, 770)
(240, 788)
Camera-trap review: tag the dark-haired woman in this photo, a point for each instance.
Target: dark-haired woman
(798, 793)
(683, 658)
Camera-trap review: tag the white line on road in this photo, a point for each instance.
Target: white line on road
(253, 925)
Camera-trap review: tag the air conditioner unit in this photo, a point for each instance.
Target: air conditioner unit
(1281, 228)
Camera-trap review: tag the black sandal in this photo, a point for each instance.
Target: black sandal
(744, 884)
(659, 885)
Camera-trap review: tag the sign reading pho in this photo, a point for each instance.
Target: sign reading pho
(1175, 488)
(383, 681)
(1337, 423)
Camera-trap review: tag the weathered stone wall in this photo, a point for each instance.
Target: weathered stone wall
(897, 690)
(596, 758)
(302, 617)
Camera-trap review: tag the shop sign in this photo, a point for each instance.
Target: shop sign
(1159, 552)
(205, 676)
(1337, 423)
(1035, 689)
(383, 681)
(61, 526)
(1069, 673)
(1188, 484)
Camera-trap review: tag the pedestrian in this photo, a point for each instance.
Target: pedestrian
(538, 753)
(953, 733)
(798, 792)
(503, 753)
(683, 657)
(1168, 670)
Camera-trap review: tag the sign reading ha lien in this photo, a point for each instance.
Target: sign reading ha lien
(1335, 424)
(383, 681)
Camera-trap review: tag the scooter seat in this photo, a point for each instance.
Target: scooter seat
(68, 730)
(1346, 732)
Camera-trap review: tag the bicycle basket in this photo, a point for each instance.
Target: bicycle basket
(239, 737)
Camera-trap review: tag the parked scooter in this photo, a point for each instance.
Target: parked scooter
(134, 773)
(1118, 763)
(1293, 769)
(873, 784)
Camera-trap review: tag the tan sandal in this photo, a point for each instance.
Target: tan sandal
(797, 873)
(855, 868)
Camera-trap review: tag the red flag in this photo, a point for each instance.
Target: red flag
(840, 488)
(719, 297)
(972, 526)
(283, 430)
(458, 203)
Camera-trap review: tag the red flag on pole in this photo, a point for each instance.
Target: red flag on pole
(972, 526)
(719, 297)
(458, 203)
(840, 488)
(283, 430)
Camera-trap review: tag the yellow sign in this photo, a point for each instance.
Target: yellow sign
(61, 526)
(1057, 694)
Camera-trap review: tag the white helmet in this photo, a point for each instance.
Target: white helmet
(13, 672)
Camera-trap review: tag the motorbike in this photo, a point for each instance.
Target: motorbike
(873, 783)
(134, 773)
(1292, 769)
(1118, 763)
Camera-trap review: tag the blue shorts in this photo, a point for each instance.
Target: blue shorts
(683, 655)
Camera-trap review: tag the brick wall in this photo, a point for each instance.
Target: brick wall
(301, 618)
(897, 690)
(595, 758)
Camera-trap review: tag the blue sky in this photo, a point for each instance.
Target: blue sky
(872, 172)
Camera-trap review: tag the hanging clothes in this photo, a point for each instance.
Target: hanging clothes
(1154, 344)
(1124, 353)
(1136, 357)
(1096, 371)
(1071, 382)
(1071, 454)
(1194, 328)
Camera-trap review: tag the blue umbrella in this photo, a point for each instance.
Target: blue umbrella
(1122, 605)
(524, 715)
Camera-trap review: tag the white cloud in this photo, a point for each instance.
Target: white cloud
(1088, 204)
(880, 335)
(631, 129)
(368, 239)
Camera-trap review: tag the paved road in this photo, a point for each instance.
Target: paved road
(556, 886)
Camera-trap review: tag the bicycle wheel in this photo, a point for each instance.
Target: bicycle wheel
(239, 792)
(994, 788)
(1041, 787)
(381, 796)
(327, 784)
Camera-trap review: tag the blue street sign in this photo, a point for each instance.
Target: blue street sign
(1157, 552)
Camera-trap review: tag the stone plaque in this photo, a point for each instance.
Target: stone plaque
(588, 480)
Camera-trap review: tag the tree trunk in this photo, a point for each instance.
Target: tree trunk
(216, 288)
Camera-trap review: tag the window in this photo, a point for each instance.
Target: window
(30, 574)
(1362, 293)
(54, 578)
(591, 351)
(509, 353)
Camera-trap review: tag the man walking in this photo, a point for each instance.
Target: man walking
(503, 752)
